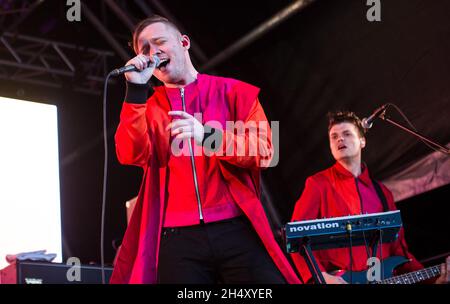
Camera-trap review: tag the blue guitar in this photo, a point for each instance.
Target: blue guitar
(388, 266)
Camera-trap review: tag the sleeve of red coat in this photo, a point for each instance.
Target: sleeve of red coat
(133, 145)
(400, 247)
(247, 143)
(307, 208)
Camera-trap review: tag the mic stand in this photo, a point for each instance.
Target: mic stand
(443, 149)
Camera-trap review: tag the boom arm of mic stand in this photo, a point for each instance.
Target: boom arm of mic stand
(444, 149)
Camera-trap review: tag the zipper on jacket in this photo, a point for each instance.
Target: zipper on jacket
(194, 171)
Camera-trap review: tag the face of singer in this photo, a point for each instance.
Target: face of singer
(346, 142)
(167, 43)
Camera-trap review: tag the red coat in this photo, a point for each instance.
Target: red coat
(333, 193)
(141, 140)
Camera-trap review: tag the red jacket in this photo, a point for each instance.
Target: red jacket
(333, 193)
(141, 140)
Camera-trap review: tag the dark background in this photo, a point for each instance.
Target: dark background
(325, 57)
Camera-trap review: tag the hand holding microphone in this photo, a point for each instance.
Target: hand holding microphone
(139, 69)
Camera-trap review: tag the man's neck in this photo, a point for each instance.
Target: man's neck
(352, 165)
(188, 78)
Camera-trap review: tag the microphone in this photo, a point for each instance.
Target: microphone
(130, 68)
(367, 122)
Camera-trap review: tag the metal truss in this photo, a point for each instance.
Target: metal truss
(44, 62)
(35, 60)
(50, 63)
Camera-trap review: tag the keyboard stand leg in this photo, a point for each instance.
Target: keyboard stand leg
(312, 263)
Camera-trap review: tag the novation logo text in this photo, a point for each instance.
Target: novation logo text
(319, 226)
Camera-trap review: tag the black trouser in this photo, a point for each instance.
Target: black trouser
(227, 252)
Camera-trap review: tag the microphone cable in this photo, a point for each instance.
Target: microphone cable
(105, 175)
(115, 72)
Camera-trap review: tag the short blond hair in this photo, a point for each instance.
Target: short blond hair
(146, 22)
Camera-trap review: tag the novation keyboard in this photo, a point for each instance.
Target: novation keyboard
(335, 232)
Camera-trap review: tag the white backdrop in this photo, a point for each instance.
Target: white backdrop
(30, 217)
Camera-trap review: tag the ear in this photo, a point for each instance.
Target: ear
(185, 41)
(362, 141)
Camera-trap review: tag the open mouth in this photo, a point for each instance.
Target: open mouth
(342, 147)
(163, 64)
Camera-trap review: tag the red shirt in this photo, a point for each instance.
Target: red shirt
(182, 206)
(333, 193)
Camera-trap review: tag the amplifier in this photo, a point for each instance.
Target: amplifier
(29, 272)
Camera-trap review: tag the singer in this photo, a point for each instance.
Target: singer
(198, 219)
(346, 188)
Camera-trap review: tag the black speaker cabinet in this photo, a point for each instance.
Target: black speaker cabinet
(29, 272)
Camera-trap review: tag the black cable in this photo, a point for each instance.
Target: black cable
(365, 244)
(105, 175)
(349, 230)
(381, 255)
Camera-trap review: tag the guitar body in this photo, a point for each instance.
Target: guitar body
(387, 268)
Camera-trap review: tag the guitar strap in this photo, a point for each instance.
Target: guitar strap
(383, 200)
(381, 195)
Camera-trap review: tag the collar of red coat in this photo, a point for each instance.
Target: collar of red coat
(364, 177)
(189, 89)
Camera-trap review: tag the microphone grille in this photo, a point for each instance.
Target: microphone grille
(365, 124)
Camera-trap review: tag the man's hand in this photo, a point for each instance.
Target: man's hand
(331, 279)
(444, 278)
(186, 127)
(144, 72)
